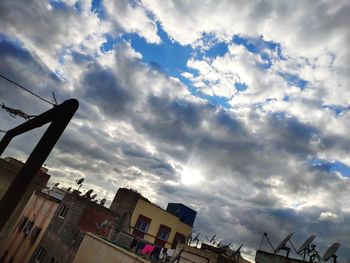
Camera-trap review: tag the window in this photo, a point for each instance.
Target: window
(28, 227)
(40, 255)
(163, 235)
(141, 226)
(63, 211)
(34, 234)
(53, 260)
(22, 223)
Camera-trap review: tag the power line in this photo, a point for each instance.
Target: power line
(18, 85)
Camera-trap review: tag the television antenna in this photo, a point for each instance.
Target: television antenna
(196, 239)
(283, 244)
(211, 240)
(103, 201)
(237, 254)
(330, 252)
(88, 193)
(308, 248)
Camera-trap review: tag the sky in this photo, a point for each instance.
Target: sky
(238, 109)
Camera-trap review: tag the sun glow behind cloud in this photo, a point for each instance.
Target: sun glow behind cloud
(191, 176)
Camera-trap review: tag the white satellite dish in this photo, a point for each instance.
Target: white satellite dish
(306, 244)
(330, 252)
(282, 245)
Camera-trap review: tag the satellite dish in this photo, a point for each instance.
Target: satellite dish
(104, 223)
(88, 193)
(330, 252)
(284, 242)
(93, 196)
(80, 181)
(69, 188)
(56, 184)
(306, 244)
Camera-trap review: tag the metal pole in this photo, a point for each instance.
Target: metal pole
(59, 116)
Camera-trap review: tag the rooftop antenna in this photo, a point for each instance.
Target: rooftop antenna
(268, 240)
(237, 254)
(88, 194)
(283, 244)
(190, 238)
(211, 240)
(196, 239)
(103, 201)
(330, 252)
(80, 182)
(307, 248)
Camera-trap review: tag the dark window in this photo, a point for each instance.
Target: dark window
(141, 226)
(40, 255)
(34, 234)
(163, 235)
(22, 223)
(53, 260)
(63, 211)
(28, 227)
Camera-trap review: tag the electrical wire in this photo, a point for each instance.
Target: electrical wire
(18, 85)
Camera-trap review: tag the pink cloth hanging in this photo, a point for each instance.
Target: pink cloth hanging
(147, 250)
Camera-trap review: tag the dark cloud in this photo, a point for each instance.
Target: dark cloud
(138, 127)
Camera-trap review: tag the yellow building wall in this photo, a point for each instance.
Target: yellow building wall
(40, 210)
(158, 216)
(94, 249)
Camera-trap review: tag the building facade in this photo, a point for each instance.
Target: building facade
(75, 216)
(9, 168)
(152, 223)
(30, 228)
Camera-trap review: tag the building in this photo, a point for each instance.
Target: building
(206, 253)
(267, 257)
(141, 218)
(95, 249)
(9, 168)
(30, 228)
(75, 216)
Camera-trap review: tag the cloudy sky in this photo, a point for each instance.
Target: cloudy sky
(239, 109)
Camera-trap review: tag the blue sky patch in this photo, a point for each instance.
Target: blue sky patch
(241, 86)
(169, 55)
(98, 8)
(294, 80)
(338, 110)
(331, 166)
